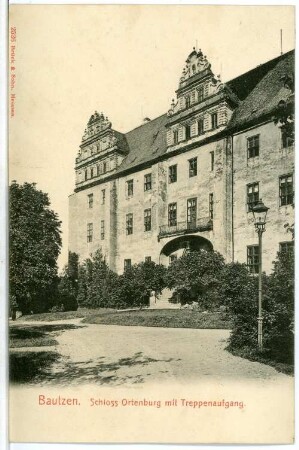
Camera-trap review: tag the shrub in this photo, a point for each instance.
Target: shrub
(196, 277)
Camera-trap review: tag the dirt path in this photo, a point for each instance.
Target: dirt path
(116, 355)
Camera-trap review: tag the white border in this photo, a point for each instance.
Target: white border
(3, 232)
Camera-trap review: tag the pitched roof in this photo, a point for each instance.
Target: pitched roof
(258, 90)
(261, 98)
(146, 142)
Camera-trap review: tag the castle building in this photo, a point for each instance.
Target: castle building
(189, 178)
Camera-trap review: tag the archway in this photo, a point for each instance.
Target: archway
(175, 248)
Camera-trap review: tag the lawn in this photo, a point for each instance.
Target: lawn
(35, 336)
(166, 318)
(52, 316)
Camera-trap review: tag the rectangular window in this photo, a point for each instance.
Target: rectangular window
(187, 101)
(90, 200)
(148, 259)
(187, 132)
(91, 172)
(172, 174)
(286, 247)
(212, 154)
(102, 229)
(191, 213)
(172, 258)
(192, 167)
(200, 94)
(148, 182)
(104, 167)
(211, 206)
(253, 146)
(89, 232)
(287, 140)
(175, 136)
(147, 219)
(172, 214)
(129, 223)
(127, 264)
(200, 126)
(130, 188)
(286, 190)
(103, 196)
(214, 120)
(98, 170)
(253, 260)
(252, 195)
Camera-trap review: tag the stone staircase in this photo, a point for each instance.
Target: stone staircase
(162, 301)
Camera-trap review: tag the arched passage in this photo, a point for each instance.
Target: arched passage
(176, 247)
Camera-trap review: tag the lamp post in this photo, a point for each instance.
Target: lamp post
(259, 215)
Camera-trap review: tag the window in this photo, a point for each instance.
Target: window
(103, 196)
(172, 258)
(172, 174)
(147, 219)
(253, 146)
(211, 206)
(91, 172)
(148, 259)
(200, 126)
(90, 200)
(129, 223)
(187, 101)
(127, 264)
(130, 188)
(187, 132)
(85, 175)
(104, 167)
(148, 182)
(89, 232)
(192, 167)
(212, 155)
(102, 229)
(172, 214)
(175, 136)
(252, 195)
(287, 247)
(200, 94)
(253, 260)
(286, 191)
(286, 139)
(191, 212)
(214, 121)
(98, 170)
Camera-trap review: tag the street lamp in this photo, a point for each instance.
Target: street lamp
(259, 215)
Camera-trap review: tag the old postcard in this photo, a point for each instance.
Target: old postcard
(151, 199)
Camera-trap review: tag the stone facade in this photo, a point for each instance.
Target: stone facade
(188, 178)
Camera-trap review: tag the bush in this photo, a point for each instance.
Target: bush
(137, 282)
(196, 277)
(240, 293)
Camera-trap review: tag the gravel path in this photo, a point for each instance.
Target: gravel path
(116, 355)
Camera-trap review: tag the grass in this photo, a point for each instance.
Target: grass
(247, 353)
(35, 336)
(27, 367)
(50, 317)
(166, 318)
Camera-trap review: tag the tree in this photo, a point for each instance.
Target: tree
(97, 283)
(196, 277)
(68, 284)
(137, 282)
(35, 243)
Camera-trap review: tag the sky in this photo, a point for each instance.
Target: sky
(122, 60)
